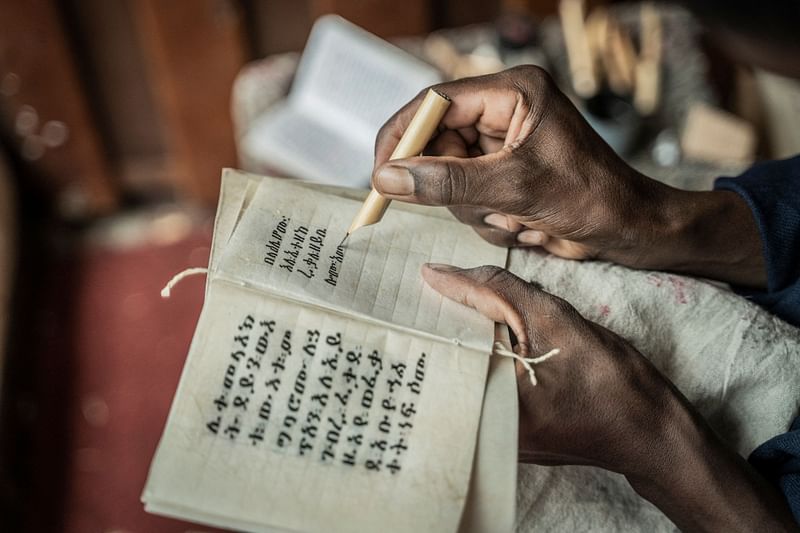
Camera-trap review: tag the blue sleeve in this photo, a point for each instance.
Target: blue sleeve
(772, 190)
(778, 460)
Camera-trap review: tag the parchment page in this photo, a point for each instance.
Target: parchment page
(303, 419)
(491, 502)
(287, 242)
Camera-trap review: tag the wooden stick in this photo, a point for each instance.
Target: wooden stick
(417, 134)
(648, 69)
(597, 35)
(620, 60)
(584, 81)
(651, 32)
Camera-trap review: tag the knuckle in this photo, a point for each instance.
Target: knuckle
(493, 277)
(421, 95)
(525, 71)
(438, 87)
(454, 87)
(384, 135)
(384, 131)
(537, 77)
(499, 280)
(442, 88)
(487, 273)
(536, 88)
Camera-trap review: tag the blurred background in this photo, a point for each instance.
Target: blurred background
(116, 117)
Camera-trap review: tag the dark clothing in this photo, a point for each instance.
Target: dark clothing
(778, 460)
(772, 190)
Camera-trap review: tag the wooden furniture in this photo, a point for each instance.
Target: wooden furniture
(41, 87)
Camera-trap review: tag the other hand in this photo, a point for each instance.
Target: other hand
(600, 402)
(597, 402)
(517, 161)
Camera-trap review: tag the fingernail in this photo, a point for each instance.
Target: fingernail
(396, 180)
(497, 220)
(442, 267)
(531, 236)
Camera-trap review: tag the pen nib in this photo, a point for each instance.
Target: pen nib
(343, 240)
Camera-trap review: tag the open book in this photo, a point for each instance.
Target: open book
(348, 83)
(329, 388)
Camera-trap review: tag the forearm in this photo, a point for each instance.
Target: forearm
(701, 485)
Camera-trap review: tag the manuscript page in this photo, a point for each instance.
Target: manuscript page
(307, 420)
(287, 243)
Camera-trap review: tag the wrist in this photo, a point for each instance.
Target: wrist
(703, 486)
(710, 233)
(715, 235)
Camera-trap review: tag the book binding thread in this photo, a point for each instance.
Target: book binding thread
(527, 362)
(180, 276)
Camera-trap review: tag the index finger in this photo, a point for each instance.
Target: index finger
(485, 103)
(389, 135)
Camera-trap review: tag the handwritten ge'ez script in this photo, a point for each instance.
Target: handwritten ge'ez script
(340, 404)
(298, 249)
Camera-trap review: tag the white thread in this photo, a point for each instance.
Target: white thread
(527, 362)
(177, 278)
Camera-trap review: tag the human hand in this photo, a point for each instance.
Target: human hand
(600, 402)
(596, 402)
(517, 161)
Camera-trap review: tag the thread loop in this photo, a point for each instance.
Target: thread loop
(527, 362)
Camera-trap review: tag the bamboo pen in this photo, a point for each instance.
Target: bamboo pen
(417, 134)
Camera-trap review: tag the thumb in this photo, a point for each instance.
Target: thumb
(449, 181)
(490, 290)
